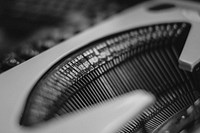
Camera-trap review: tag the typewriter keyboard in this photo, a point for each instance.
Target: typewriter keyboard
(79, 16)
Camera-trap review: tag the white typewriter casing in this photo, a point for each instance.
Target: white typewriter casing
(17, 83)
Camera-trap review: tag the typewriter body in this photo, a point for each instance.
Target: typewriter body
(153, 47)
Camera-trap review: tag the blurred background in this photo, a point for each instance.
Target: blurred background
(29, 27)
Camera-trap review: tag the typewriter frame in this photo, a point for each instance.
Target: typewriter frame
(18, 82)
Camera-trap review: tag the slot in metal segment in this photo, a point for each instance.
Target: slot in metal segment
(142, 58)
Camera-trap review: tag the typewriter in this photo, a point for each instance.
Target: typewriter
(136, 72)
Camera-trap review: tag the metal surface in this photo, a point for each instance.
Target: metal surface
(17, 83)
